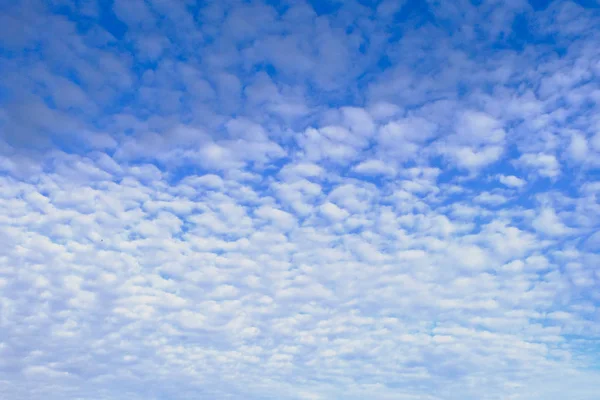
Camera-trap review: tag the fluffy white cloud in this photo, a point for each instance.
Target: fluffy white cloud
(549, 223)
(333, 212)
(578, 148)
(512, 181)
(374, 167)
(545, 165)
(478, 141)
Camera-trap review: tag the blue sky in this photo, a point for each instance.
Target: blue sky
(299, 199)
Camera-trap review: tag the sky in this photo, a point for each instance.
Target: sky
(300, 200)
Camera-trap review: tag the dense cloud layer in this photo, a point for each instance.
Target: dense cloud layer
(291, 200)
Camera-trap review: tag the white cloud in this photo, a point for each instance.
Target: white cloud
(549, 223)
(383, 110)
(512, 181)
(374, 167)
(191, 320)
(545, 165)
(281, 218)
(578, 149)
(217, 202)
(478, 140)
(333, 212)
(470, 158)
(493, 199)
(402, 138)
(304, 170)
(358, 120)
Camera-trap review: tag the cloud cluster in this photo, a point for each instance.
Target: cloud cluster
(299, 200)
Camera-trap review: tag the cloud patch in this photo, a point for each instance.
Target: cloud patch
(306, 200)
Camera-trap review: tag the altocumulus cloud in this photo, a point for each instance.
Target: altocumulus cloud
(299, 199)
